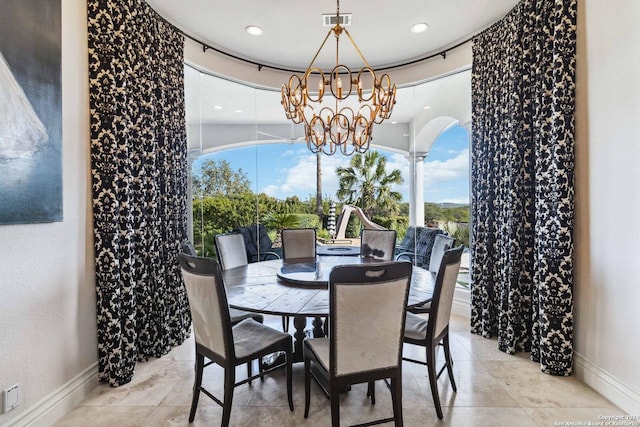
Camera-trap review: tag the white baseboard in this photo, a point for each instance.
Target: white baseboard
(51, 408)
(621, 394)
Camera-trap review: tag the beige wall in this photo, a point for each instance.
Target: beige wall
(47, 291)
(47, 296)
(607, 287)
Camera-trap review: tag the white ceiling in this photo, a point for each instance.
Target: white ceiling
(293, 32)
(293, 29)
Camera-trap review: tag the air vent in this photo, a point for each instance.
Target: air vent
(329, 20)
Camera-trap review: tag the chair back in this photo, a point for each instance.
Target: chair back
(424, 245)
(444, 288)
(441, 244)
(408, 243)
(378, 244)
(256, 241)
(188, 248)
(298, 243)
(231, 250)
(367, 305)
(208, 303)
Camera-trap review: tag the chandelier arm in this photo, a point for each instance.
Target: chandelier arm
(357, 48)
(321, 46)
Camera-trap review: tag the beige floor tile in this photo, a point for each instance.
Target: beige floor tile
(494, 389)
(105, 416)
(551, 417)
(532, 388)
(487, 416)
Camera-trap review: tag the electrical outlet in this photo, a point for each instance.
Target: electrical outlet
(11, 398)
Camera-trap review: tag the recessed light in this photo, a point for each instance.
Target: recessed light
(419, 28)
(426, 107)
(394, 123)
(238, 111)
(254, 30)
(217, 107)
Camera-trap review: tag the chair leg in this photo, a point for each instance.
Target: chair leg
(261, 369)
(289, 377)
(197, 383)
(249, 370)
(307, 386)
(433, 378)
(334, 397)
(449, 361)
(371, 391)
(396, 400)
(285, 323)
(229, 383)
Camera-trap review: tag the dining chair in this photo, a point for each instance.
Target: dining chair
(408, 243)
(236, 315)
(221, 342)
(434, 330)
(421, 255)
(378, 244)
(297, 243)
(365, 340)
(231, 250)
(441, 244)
(257, 243)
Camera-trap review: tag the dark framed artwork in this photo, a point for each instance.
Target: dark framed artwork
(30, 111)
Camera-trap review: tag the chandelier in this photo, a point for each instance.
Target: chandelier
(342, 122)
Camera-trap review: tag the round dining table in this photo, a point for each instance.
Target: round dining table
(331, 250)
(299, 289)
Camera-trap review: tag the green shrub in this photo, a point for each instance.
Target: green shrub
(309, 221)
(323, 233)
(460, 231)
(392, 222)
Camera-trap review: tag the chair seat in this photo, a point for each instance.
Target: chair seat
(415, 327)
(421, 309)
(238, 316)
(319, 347)
(251, 337)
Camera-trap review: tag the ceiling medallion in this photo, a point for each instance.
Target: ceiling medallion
(343, 122)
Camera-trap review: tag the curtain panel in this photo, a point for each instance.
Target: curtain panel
(522, 166)
(139, 184)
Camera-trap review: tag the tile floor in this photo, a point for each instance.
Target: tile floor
(494, 389)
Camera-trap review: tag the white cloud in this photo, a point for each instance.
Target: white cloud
(300, 177)
(438, 172)
(399, 161)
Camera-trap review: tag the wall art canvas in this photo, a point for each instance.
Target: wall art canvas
(30, 111)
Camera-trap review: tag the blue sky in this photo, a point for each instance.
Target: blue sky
(285, 170)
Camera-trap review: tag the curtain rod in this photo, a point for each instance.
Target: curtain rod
(205, 47)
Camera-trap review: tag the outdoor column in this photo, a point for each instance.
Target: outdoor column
(416, 189)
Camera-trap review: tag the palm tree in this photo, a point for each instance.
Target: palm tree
(280, 221)
(365, 183)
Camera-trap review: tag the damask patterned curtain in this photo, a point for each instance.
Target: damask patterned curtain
(523, 89)
(139, 183)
